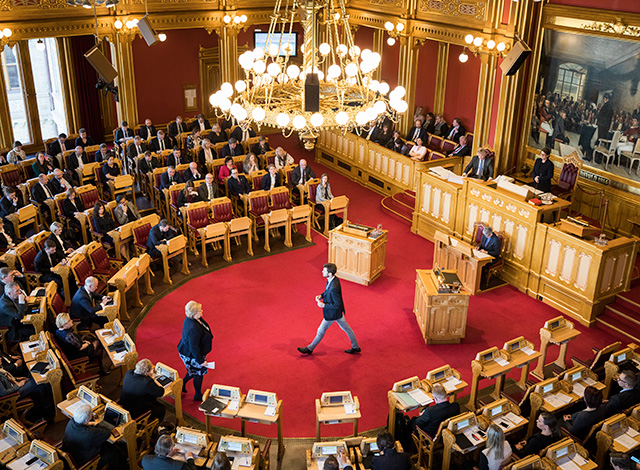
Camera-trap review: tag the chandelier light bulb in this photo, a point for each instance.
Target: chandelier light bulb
(383, 88)
(237, 19)
(468, 38)
(374, 85)
(376, 58)
(235, 108)
(342, 118)
(361, 118)
(402, 106)
(273, 69)
(226, 19)
(371, 114)
(273, 49)
(258, 53)
(7, 32)
(299, 122)
(477, 42)
(162, 37)
(463, 57)
(241, 115)
(400, 27)
(214, 99)
(258, 114)
(336, 16)
(354, 51)
(365, 55)
(400, 91)
(135, 21)
(351, 69)
(324, 48)
(243, 18)
(117, 24)
(391, 41)
(225, 104)
(388, 26)
(129, 24)
(501, 46)
(380, 107)
(240, 86)
(334, 71)
(293, 71)
(259, 67)
(316, 119)
(226, 90)
(282, 119)
(491, 44)
(341, 50)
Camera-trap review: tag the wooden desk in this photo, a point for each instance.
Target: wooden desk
(396, 404)
(452, 253)
(449, 378)
(337, 415)
(123, 235)
(253, 413)
(618, 361)
(567, 450)
(442, 318)
(488, 369)
(359, 258)
(559, 332)
(229, 411)
(521, 353)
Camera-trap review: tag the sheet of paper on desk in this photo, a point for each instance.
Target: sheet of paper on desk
(22, 463)
(632, 432)
(553, 401)
(349, 409)
(626, 441)
(563, 398)
(233, 405)
(6, 443)
(527, 350)
(270, 411)
(419, 396)
(579, 459)
(451, 383)
(501, 361)
(514, 418)
(589, 381)
(472, 435)
(244, 460)
(73, 407)
(30, 347)
(578, 389)
(480, 254)
(568, 464)
(117, 357)
(109, 339)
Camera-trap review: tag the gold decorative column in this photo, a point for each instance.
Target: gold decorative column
(122, 57)
(407, 76)
(484, 105)
(378, 46)
(6, 130)
(228, 47)
(441, 77)
(69, 85)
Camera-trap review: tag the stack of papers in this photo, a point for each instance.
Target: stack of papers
(573, 463)
(27, 462)
(480, 254)
(527, 350)
(502, 362)
(233, 405)
(578, 389)
(451, 383)
(118, 357)
(472, 435)
(419, 396)
(558, 400)
(349, 408)
(6, 443)
(270, 411)
(627, 440)
(514, 418)
(589, 381)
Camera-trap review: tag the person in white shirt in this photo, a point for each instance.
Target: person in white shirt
(16, 154)
(207, 155)
(497, 451)
(418, 151)
(282, 158)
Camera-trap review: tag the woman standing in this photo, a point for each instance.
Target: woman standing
(194, 346)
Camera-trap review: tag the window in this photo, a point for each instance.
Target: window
(45, 65)
(16, 94)
(571, 78)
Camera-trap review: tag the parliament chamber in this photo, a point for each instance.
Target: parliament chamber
(159, 152)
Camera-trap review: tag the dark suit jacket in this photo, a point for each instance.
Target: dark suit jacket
(57, 187)
(582, 421)
(83, 442)
(164, 180)
(54, 147)
(98, 157)
(120, 134)
(39, 193)
(216, 138)
(472, 168)
(68, 209)
(132, 152)
(227, 152)
(383, 138)
(196, 124)
(423, 134)
(82, 304)
(391, 460)
(182, 199)
(83, 144)
(144, 133)
(203, 191)
(296, 175)
(151, 462)
(431, 417)
(105, 223)
(7, 207)
(154, 145)
(196, 339)
(266, 182)
(174, 129)
(42, 264)
(237, 133)
(72, 160)
(461, 151)
(238, 186)
(621, 401)
(157, 237)
(10, 315)
(139, 393)
(545, 173)
(492, 245)
(441, 128)
(110, 170)
(202, 159)
(457, 134)
(188, 175)
(60, 248)
(4, 243)
(332, 298)
(171, 160)
(48, 167)
(261, 151)
(146, 167)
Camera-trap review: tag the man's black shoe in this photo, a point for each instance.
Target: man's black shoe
(305, 350)
(352, 350)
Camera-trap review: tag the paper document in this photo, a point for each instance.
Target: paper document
(270, 411)
(118, 357)
(514, 418)
(527, 350)
(71, 409)
(563, 398)
(6, 443)
(626, 441)
(450, 384)
(567, 464)
(480, 254)
(109, 339)
(589, 381)
(579, 459)
(349, 408)
(501, 361)
(27, 461)
(472, 435)
(632, 432)
(233, 405)
(211, 365)
(578, 389)
(419, 396)
(553, 402)
(405, 400)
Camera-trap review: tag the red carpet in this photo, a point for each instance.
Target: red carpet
(261, 310)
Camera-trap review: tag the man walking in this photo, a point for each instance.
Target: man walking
(332, 310)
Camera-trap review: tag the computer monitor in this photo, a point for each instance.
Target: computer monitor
(374, 447)
(336, 398)
(258, 397)
(576, 376)
(234, 446)
(487, 357)
(226, 392)
(52, 360)
(439, 375)
(118, 329)
(496, 411)
(88, 396)
(547, 388)
(329, 450)
(129, 344)
(115, 415)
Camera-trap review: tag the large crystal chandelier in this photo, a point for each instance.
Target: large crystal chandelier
(333, 89)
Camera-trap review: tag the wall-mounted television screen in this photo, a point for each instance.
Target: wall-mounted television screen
(260, 40)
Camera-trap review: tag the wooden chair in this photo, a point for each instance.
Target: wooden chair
(213, 234)
(123, 184)
(78, 371)
(338, 205)
(435, 142)
(158, 194)
(71, 464)
(272, 221)
(140, 229)
(608, 152)
(448, 146)
(100, 261)
(81, 269)
(596, 364)
(92, 174)
(496, 268)
(280, 198)
(633, 156)
(238, 227)
(26, 216)
(11, 175)
(255, 179)
(478, 229)
(428, 446)
(222, 209)
(39, 238)
(171, 200)
(308, 191)
(568, 179)
(257, 205)
(196, 218)
(286, 174)
(301, 215)
(26, 253)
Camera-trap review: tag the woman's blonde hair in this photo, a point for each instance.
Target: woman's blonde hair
(192, 309)
(62, 319)
(495, 441)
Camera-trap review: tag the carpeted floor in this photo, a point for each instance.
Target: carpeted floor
(261, 310)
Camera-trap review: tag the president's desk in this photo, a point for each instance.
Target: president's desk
(570, 273)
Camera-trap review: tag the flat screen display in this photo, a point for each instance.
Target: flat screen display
(329, 450)
(260, 40)
(224, 393)
(440, 375)
(335, 399)
(261, 398)
(234, 446)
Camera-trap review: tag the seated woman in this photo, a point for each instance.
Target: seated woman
(43, 164)
(250, 164)
(73, 346)
(549, 434)
(103, 222)
(6, 240)
(110, 170)
(188, 195)
(580, 423)
(225, 170)
(63, 243)
(282, 158)
(194, 140)
(323, 193)
(72, 206)
(418, 151)
(497, 451)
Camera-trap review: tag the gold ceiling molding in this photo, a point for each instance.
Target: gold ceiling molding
(389, 3)
(617, 27)
(458, 8)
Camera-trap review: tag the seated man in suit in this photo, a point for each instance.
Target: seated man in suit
(125, 211)
(192, 173)
(389, 458)
(60, 145)
(9, 204)
(76, 160)
(136, 148)
(158, 235)
(124, 134)
(86, 303)
(58, 183)
(243, 132)
(201, 123)
(463, 149)
(232, 149)
(629, 394)
(8, 275)
(40, 192)
(102, 154)
(209, 189)
(271, 179)
(302, 173)
(176, 128)
(64, 244)
(140, 392)
(148, 130)
(431, 417)
(83, 140)
(48, 258)
(490, 243)
(163, 460)
(396, 143)
(161, 143)
(27, 387)
(480, 167)
(417, 132)
(262, 147)
(175, 158)
(84, 440)
(169, 178)
(237, 183)
(148, 163)
(456, 130)
(13, 308)
(206, 154)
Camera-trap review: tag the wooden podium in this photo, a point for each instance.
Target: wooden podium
(358, 256)
(442, 318)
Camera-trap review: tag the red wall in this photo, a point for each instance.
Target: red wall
(462, 88)
(427, 72)
(631, 6)
(389, 63)
(161, 70)
(364, 38)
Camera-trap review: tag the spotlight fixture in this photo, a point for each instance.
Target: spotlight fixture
(162, 37)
